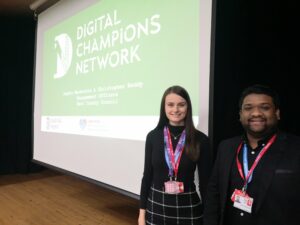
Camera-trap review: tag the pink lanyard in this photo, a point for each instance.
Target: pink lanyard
(260, 155)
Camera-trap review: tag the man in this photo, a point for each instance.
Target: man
(256, 177)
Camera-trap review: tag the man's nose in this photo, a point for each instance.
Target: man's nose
(256, 111)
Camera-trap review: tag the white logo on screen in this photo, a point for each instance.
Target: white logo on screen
(64, 50)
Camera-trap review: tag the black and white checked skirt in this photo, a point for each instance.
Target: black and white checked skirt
(173, 209)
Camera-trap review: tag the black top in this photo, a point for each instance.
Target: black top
(156, 169)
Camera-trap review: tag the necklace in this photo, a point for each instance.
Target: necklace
(175, 136)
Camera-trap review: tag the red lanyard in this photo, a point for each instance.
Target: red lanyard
(260, 155)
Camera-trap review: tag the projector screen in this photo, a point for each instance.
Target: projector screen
(101, 70)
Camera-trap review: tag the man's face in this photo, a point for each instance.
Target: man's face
(258, 115)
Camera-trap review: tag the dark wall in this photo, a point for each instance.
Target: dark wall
(254, 43)
(16, 78)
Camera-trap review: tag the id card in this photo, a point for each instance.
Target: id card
(242, 201)
(174, 187)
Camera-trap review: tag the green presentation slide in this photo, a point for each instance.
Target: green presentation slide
(116, 58)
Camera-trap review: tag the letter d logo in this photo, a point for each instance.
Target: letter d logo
(64, 50)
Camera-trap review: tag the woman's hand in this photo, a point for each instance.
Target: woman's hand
(142, 217)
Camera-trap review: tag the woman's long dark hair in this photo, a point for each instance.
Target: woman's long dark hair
(191, 145)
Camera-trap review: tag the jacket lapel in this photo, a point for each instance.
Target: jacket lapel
(267, 170)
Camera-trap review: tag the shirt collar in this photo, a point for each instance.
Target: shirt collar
(262, 142)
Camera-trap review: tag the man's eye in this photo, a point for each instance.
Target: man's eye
(265, 107)
(247, 108)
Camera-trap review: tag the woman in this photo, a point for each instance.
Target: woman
(174, 149)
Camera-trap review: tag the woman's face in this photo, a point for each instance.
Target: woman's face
(176, 109)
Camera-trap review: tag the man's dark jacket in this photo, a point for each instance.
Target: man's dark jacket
(277, 197)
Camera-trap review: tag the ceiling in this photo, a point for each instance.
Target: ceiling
(22, 6)
(15, 6)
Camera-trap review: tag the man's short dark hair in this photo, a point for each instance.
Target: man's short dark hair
(260, 89)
